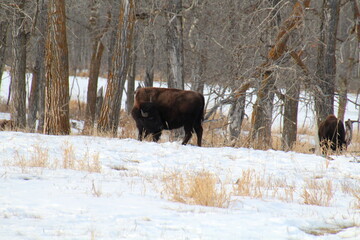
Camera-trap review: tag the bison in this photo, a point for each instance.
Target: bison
(332, 134)
(156, 109)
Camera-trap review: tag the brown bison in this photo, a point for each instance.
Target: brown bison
(332, 134)
(156, 109)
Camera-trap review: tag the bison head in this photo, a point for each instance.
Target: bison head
(150, 117)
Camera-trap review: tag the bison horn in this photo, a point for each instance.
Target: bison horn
(144, 114)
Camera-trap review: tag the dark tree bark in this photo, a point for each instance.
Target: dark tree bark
(198, 50)
(262, 113)
(175, 48)
(291, 103)
(131, 76)
(149, 50)
(4, 24)
(110, 111)
(347, 49)
(37, 94)
(95, 63)
(57, 72)
(237, 106)
(261, 117)
(18, 70)
(326, 69)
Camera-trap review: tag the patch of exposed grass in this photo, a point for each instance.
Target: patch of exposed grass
(38, 157)
(317, 192)
(199, 188)
(89, 163)
(255, 185)
(330, 229)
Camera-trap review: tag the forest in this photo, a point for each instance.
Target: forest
(273, 51)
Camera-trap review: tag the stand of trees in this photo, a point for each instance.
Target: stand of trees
(271, 49)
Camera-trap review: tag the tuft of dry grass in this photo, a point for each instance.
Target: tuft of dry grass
(38, 157)
(89, 163)
(255, 185)
(354, 191)
(199, 188)
(316, 192)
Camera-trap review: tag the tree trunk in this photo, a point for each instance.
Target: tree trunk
(262, 113)
(131, 76)
(236, 116)
(37, 94)
(18, 71)
(350, 60)
(198, 51)
(92, 87)
(57, 72)
(326, 73)
(290, 115)
(4, 24)
(95, 63)
(175, 49)
(237, 106)
(110, 111)
(149, 50)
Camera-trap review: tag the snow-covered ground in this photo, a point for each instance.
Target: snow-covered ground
(79, 187)
(126, 198)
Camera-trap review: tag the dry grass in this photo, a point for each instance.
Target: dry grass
(38, 157)
(255, 185)
(354, 191)
(306, 130)
(200, 188)
(89, 163)
(317, 192)
(77, 110)
(330, 229)
(3, 106)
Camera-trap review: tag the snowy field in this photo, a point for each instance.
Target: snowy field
(126, 198)
(78, 187)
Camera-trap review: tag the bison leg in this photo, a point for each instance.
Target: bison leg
(188, 134)
(156, 136)
(199, 132)
(140, 134)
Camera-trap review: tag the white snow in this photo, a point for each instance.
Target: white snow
(126, 199)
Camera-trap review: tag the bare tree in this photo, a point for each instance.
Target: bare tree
(197, 42)
(291, 102)
(237, 105)
(37, 92)
(149, 53)
(175, 48)
(18, 99)
(4, 25)
(57, 72)
(262, 110)
(132, 74)
(326, 72)
(110, 111)
(97, 52)
(348, 51)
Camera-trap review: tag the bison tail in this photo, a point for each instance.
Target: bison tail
(202, 109)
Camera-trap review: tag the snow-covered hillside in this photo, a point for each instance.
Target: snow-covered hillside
(119, 190)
